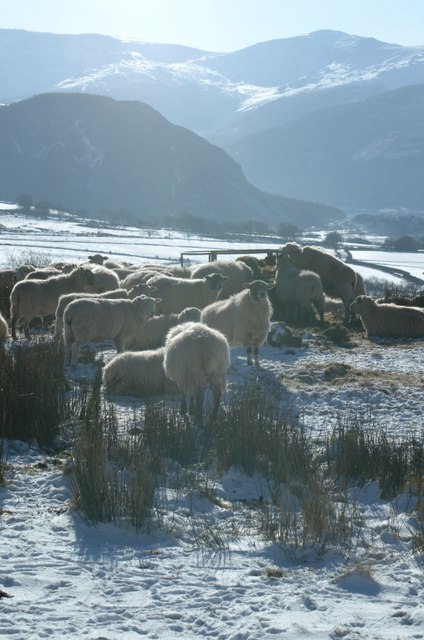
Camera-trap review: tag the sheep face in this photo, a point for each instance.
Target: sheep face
(97, 258)
(140, 289)
(88, 276)
(189, 314)
(215, 281)
(359, 303)
(145, 306)
(259, 289)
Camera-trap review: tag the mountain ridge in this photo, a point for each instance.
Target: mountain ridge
(94, 154)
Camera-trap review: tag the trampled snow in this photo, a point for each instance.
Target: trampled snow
(60, 578)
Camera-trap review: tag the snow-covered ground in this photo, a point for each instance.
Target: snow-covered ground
(67, 580)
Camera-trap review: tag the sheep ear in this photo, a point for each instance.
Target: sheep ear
(157, 300)
(151, 288)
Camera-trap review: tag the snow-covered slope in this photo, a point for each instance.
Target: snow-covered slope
(209, 92)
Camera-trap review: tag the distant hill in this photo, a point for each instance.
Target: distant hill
(393, 225)
(249, 100)
(94, 155)
(222, 96)
(362, 155)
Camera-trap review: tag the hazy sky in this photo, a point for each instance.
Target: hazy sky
(219, 25)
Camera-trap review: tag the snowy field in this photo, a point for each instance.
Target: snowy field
(66, 580)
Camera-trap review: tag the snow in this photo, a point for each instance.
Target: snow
(67, 580)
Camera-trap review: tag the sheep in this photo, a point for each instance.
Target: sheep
(197, 357)
(140, 289)
(43, 274)
(8, 278)
(175, 270)
(253, 263)
(152, 334)
(70, 297)
(138, 372)
(338, 279)
(179, 293)
(389, 320)
(104, 261)
(38, 298)
(237, 274)
(244, 318)
(4, 329)
(105, 279)
(296, 292)
(141, 276)
(101, 319)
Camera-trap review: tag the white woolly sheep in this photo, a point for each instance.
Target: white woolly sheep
(70, 297)
(296, 293)
(197, 357)
(105, 279)
(102, 319)
(152, 333)
(237, 274)
(175, 270)
(4, 329)
(141, 276)
(9, 277)
(43, 273)
(389, 320)
(178, 293)
(38, 298)
(338, 279)
(105, 261)
(138, 372)
(244, 319)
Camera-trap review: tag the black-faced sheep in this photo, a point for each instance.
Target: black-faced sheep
(179, 293)
(152, 333)
(102, 319)
(237, 274)
(138, 372)
(338, 279)
(38, 298)
(197, 357)
(297, 292)
(389, 320)
(244, 318)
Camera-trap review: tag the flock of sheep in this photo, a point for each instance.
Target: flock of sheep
(173, 327)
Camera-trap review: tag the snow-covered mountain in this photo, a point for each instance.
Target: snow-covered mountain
(363, 155)
(222, 96)
(243, 101)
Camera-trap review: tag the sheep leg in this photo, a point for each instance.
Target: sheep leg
(14, 327)
(256, 353)
(75, 351)
(183, 408)
(26, 330)
(198, 405)
(216, 392)
(249, 351)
